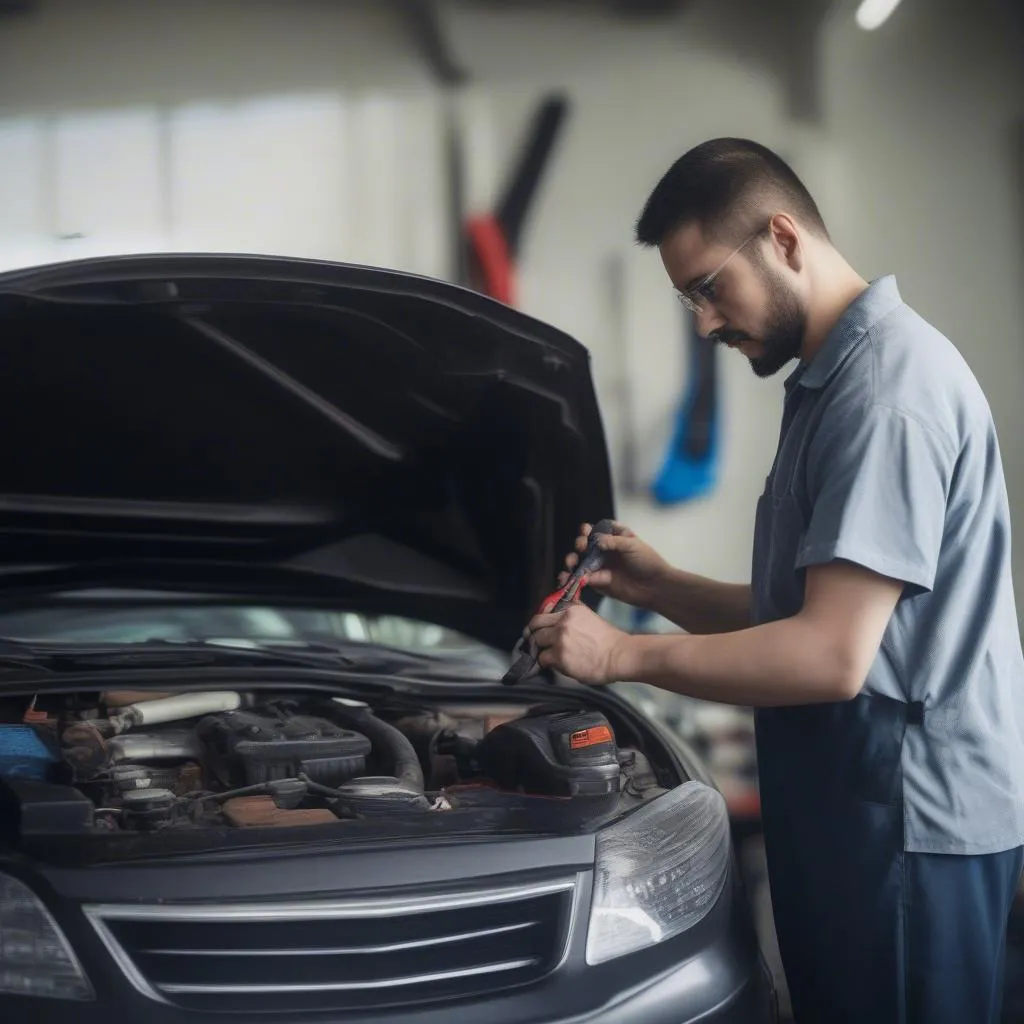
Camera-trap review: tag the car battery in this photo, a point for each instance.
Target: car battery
(553, 752)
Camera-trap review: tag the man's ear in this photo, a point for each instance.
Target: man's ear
(785, 239)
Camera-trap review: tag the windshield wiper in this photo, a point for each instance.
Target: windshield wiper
(369, 657)
(470, 663)
(53, 656)
(353, 658)
(16, 656)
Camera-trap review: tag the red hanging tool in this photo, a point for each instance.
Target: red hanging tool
(486, 245)
(494, 239)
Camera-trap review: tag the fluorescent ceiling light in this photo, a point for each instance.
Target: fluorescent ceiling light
(874, 14)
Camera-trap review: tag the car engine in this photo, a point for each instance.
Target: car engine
(137, 763)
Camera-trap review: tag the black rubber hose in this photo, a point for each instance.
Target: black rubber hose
(406, 764)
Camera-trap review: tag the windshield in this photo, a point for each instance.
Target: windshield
(104, 617)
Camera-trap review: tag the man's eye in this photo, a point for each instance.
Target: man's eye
(706, 290)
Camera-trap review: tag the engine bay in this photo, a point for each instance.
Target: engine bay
(138, 763)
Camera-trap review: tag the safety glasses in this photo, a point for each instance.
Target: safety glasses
(695, 299)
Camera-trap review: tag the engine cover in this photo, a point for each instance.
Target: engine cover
(246, 748)
(553, 753)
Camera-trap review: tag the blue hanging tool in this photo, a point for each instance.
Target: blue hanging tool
(690, 468)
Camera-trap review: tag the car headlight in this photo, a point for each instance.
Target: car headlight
(35, 958)
(658, 872)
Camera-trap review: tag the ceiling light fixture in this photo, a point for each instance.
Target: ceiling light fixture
(872, 14)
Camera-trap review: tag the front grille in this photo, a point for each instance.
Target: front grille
(340, 955)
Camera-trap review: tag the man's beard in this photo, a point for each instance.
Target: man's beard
(785, 326)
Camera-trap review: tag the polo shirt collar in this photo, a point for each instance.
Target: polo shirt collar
(880, 298)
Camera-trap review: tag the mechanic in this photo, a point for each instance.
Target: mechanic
(878, 640)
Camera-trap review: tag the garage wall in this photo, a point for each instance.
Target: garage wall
(310, 127)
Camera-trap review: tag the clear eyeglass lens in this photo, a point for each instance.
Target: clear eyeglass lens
(689, 303)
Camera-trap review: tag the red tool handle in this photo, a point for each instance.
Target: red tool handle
(569, 594)
(494, 265)
(592, 560)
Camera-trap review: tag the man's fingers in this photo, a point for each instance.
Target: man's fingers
(544, 637)
(620, 539)
(546, 659)
(601, 578)
(542, 621)
(618, 530)
(616, 542)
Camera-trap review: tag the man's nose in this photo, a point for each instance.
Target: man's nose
(708, 320)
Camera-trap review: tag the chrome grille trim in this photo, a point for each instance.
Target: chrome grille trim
(412, 979)
(318, 909)
(574, 912)
(349, 909)
(122, 959)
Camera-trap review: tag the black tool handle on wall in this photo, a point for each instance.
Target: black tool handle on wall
(522, 186)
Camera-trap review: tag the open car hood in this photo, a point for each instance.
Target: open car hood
(292, 428)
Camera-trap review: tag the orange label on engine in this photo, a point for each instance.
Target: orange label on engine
(590, 737)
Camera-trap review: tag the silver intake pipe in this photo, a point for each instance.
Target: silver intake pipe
(173, 709)
(167, 746)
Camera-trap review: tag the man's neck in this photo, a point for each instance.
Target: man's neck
(837, 287)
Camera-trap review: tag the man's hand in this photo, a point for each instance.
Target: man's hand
(579, 644)
(633, 571)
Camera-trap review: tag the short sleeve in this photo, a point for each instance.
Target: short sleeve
(878, 489)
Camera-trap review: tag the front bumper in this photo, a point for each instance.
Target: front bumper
(707, 990)
(726, 982)
(688, 994)
(711, 973)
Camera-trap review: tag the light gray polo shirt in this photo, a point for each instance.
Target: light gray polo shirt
(889, 459)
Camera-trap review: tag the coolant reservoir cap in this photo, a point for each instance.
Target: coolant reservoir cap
(142, 801)
(129, 777)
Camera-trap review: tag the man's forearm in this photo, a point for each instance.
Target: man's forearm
(779, 663)
(701, 605)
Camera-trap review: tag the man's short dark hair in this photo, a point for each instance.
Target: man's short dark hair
(730, 187)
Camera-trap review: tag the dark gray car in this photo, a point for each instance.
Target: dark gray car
(267, 531)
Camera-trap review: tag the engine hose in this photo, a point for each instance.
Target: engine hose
(405, 762)
(315, 787)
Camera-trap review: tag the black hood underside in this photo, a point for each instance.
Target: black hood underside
(295, 428)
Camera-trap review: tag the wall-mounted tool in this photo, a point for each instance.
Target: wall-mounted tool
(690, 468)
(495, 239)
(486, 245)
